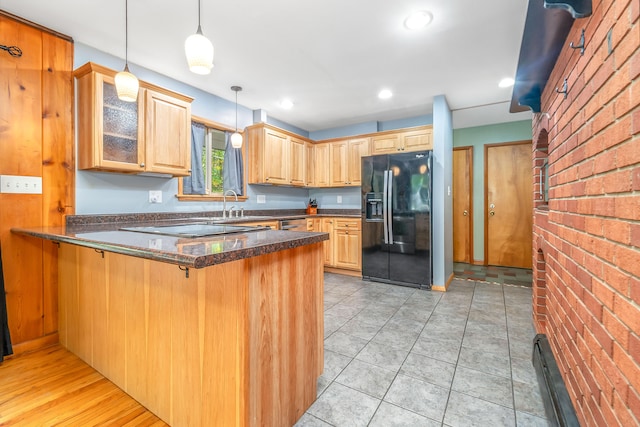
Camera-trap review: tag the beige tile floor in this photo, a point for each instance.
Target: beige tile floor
(397, 356)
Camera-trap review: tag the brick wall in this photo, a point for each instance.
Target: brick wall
(587, 237)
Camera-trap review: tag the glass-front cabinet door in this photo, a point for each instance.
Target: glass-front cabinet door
(120, 146)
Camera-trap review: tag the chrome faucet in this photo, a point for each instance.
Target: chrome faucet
(224, 202)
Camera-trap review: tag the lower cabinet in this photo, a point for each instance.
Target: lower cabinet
(343, 250)
(347, 237)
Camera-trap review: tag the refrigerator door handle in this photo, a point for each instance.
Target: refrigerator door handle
(389, 206)
(384, 208)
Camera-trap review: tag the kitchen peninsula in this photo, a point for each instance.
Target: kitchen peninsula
(216, 330)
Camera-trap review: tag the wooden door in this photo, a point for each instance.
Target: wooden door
(310, 169)
(462, 204)
(321, 167)
(276, 157)
(168, 135)
(417, 140)
(387, 143)
(297, 169)
(327, 227)
(508, 204)
(357, 149)
(338, 163)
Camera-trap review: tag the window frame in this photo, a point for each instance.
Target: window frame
(215, 196)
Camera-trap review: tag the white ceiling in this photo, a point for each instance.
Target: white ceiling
(331, 57)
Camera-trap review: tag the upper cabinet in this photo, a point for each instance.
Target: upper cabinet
(151, 135)
(276, 157)
(345, 161)
(415, 139)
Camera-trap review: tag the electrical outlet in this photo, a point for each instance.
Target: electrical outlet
(339, 199)
(261, 198)
(20, 184)
(155, 196)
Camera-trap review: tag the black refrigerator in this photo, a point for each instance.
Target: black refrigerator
(396, 218)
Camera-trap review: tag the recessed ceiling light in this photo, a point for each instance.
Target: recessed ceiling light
(385, 94)
(418, 20)
(287, 104)
(506, 82)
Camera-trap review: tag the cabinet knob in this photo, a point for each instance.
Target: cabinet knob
(266, 179)
(141, 165)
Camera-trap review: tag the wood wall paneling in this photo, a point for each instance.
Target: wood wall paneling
(36, 139)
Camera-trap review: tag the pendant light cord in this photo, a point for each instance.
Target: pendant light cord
(199, 27)
(236, 111)
(126, 34)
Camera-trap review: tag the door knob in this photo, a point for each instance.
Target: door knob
(465, 213)
(492, 213)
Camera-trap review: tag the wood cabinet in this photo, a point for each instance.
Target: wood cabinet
(321, 160)
(345, 158)
(406, 140)
(343, 250)
(36, 139)
(246, 335)
(310, 165)
(327, 227)
(347, 244)
(276, 157)
(152, 135)
(298, 162)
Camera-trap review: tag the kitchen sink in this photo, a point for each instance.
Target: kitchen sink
(194, 229)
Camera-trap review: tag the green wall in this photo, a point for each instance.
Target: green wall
(478, 137)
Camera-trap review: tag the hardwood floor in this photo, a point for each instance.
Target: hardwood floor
(54, 387)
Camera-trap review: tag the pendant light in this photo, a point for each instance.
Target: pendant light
(126, 83)
(199, 50)
(236, 137)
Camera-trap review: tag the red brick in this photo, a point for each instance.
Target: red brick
(604, 294)
(618, 331)
(622, 412)
(627, 312)
(628, 367)
(618, 182)
(628, 153)
(635, 122)
(623, 103)
(616, 230)
(617, 279)
(603, 337)
(634, 346)
(617, 132)
(635, 233)
(633, 403)
(627, 207)
(634, 67)
(636, 178)
(604, 162)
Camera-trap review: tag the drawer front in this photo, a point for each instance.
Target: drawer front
(347, 223)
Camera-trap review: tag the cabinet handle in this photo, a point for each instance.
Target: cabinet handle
(266, 179)
(141, 165)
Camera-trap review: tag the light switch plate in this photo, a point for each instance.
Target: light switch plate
(261, 198)
(20, 184)
(339, 199)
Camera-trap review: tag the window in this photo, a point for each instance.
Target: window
(213, 168)
(213, 161)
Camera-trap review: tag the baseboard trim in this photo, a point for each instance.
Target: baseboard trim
(35, 344)
(478, 262)
(353, 273)
(446, 285)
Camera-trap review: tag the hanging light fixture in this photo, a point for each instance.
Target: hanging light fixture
(199, 50)
(126, 83)
(236, 137)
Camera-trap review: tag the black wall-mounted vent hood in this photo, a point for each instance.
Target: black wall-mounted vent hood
(545, 32)
(577, 8)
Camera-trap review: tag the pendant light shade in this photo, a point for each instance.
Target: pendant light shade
(199, 51)
(236, 137)
(126, 83)
(236, 140)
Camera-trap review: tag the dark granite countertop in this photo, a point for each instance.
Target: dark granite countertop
(188, 252)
